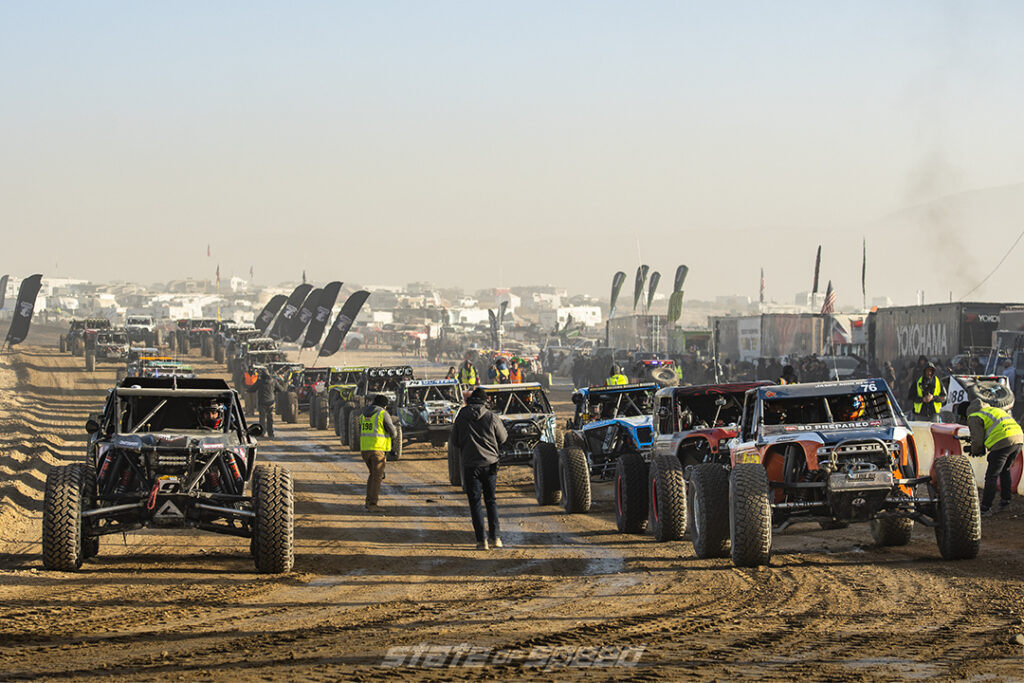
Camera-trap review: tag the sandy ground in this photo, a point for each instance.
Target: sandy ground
(177, 605)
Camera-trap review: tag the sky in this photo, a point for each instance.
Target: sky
(482, 144)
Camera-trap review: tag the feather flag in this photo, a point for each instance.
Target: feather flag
(617, 281)
(651, 286)
(638, 286)
(817, 269)
(681, 272)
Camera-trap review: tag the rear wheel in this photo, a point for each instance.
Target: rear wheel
(353, 431)
(63, 344)
(892, 531)
(218, 353)
(958, 511)
(574, 477)
(750, 515)
(709, 531)
(322, 414)
(667, 498)
(206, 346)
(545, 474)
(90, 361)
(273, 532)
(631, 504)
(65, 498)
(290, 408)
(396, 444)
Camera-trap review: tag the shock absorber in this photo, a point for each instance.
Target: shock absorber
(214, 478)
(236, 474)
(104, 467)
(126, 480)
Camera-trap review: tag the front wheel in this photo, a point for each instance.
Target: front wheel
(892, 531)
(273, 532)
(710, 512)
(574, 476)
(750, 516)
(353, 431)
(631, 494)
(545, 474)
(666, 490)
(65, 498)
(958, 511)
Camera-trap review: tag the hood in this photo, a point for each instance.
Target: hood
(830, 437)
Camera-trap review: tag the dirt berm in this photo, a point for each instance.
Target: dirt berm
(404, 593)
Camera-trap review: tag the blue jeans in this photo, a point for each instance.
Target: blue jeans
(482, 481)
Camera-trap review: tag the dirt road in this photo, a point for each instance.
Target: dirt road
(404, 593)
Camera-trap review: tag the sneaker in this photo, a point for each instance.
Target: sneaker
(482, 545)
(1004, 505)
(496, 542)
(987, 512)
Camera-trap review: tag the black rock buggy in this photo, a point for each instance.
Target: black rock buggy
(151, 463)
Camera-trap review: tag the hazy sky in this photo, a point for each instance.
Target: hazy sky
(485, 143)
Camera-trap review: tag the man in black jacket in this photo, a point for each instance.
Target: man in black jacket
(479, 433)
(266, 389)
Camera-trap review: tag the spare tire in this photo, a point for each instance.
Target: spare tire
(991, 391)
(665, 377)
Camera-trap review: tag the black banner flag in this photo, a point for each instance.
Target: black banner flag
(617, 281)
(343, 323)
(23, 309)
(681, 272)
(817, 268)
(638, 286)
(322, 315)
(298, 324)
(269, 311)
(3, 290)
(494, 328)
(290, 310)
(653, 285)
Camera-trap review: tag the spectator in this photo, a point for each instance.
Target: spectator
(479, 433)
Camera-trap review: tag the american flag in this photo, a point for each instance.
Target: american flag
(829, 306)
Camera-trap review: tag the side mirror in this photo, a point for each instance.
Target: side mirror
(92, 426)
(254, 430)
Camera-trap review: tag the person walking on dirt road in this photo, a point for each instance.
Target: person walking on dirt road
(927, 395)
(376, 430)
(479, 433)
(266, 388)
(994, 430)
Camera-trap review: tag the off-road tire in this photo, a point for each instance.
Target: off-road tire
(750, 515)
(666, 490)
(64, 499)
(892, 531)
(273, 530)
(958, 511)
(186, 345)
(290, 408)
(77, 347)
(662, 375)
(396, 444)
(156, 339)
(574, 480)
(571, 440)
(322, 414)
(709, 530)
(546, 485)
(172, 341)
(63, 344)
(631, 503)
(353, 431)
(206, 346)
(454, 463)
(90, 361)
(218, 353)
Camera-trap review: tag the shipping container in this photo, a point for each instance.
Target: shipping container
(939, 331)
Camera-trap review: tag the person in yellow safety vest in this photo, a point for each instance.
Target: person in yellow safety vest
(467, 374)
(994, 430)
(376, 430)
(678, 368)
(927, 395)
(616, 377)
(501, 373)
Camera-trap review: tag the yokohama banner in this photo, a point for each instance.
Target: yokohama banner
(298, 324)
(269, 311)
(23, 309)
(290, 310)
(321, 315)
(343, 323)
